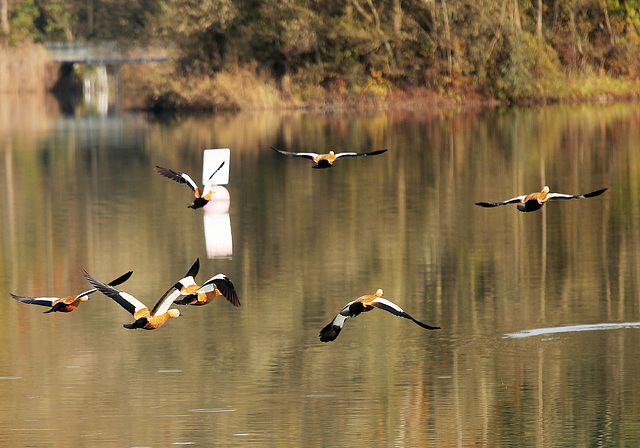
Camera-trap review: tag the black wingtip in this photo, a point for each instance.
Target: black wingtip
(423, 325)
(595, 193)
(193, 270)
(123, 278)
(329, 333)
(235, 301)
(485, 204)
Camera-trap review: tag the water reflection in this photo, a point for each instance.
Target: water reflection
(81, 193)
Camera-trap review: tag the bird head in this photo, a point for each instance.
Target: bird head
(379, 293)
(174, 313)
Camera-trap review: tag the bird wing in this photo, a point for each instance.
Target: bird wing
(123, 278)
(332, 330)
(167, 299)
(120, 280)
(391, 307)
(179, 288)
(165, 302)
(554, 196)
(177, 176)
(508, 201)
(43, 301)
(306, 155)
(193, 270)
(224, 285)
(356, 154)
(125, 300)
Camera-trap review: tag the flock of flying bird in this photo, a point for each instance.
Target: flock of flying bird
(187, 292)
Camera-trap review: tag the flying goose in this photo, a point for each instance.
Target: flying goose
(326, 160)
(67, 304)
(535, 201)
(360, 305)
(203, 195)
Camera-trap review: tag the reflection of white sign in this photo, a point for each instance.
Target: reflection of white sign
(212, 160)
(217, 235)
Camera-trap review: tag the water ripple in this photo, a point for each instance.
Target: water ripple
(571, 328)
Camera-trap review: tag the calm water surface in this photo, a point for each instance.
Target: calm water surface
(80, 192)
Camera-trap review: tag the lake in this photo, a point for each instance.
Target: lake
(539, 312)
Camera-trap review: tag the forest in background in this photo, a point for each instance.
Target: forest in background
(234, 53)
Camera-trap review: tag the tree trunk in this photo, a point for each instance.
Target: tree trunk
(397, 18)
(431, 6)
(574, 31)
(374, 19)
(447, 37)
(539, 21)
(90, 17)
(4, 20)
(608, 22)
(516, 17)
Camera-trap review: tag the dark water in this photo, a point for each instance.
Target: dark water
(81, 193)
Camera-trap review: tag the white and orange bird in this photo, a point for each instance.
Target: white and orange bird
(218, 285)
(144, 317)
(361, 305)
(535, 201)
(202, 195)
(67, 304)
(326, 160)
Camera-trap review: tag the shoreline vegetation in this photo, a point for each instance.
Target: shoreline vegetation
(229, 55)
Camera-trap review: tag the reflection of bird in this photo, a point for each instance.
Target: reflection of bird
(535, 201)
(218, 285)
(360, 305)
(144, 318)
(202, 195)
(67, 304)
(326, 160)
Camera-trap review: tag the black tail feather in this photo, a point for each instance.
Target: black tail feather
(186, 300)
(140, 323)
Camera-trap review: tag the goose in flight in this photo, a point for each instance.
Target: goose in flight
(326, 160)
(144, 318)
(67, 304)
(203, 195)
(218, 285)
(360, 305)
(535, 201)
